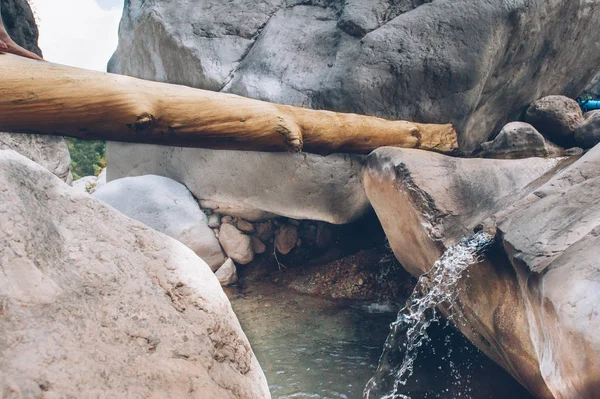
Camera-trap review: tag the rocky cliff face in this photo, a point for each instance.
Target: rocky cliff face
(20, 24)
(475, 64)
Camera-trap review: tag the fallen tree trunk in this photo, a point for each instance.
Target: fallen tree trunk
(45, 98)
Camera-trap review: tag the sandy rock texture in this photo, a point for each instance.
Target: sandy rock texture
(93, 301)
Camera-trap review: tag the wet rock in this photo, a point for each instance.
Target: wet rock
(245, 226)
(556, 117)
(258, 246)
(87, 292)
(427, 202)
(518, 140)
(285, 238)
(587, 135)
(236, 244)
(552, 239)
(227, 273)
(166, 206)
(214, 221)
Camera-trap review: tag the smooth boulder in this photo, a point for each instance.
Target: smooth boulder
(552, 239)
(237, 245)
(462, 61)
(94, 302)
(427, 202)
(253, 185)
(556, 117)
(227, 273)
(587, 135)
(518, 140)
(166, 206)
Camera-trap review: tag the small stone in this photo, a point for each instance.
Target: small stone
(214, 221)
(361, 281)
(258, 246)
(264, 230)
(294, 222)
(285, 239)
(227, 219)
(236, 244)
(516, 140)
(227, 273)
(245, 226)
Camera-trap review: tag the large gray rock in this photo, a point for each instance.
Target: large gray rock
(20, 24)
(476, 64)
(518, 140)
(253, 185)
(587, 135)
(49, 151)
(95, 303)
(168, 207)
(552, 238)
(556, 117)
(426, 202)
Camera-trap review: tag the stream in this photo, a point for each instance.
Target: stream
(315, 348)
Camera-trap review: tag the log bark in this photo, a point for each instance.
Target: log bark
(45, 98)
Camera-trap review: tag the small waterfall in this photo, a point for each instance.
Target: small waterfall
(409, 331)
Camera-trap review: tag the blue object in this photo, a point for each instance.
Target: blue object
(588, 104)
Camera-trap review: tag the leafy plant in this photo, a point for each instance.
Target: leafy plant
(88, 158)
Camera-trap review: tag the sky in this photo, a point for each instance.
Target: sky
(80, 33)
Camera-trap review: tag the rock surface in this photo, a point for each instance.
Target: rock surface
(237, 245)
(427, 202)
(552, 239)
(20, 24)
(518, 140)
(95, 302)
(85, 184)
(227, 273)
(286, 238)
(556, 117)
(49, 151)
(455, 61)
(168, 207)
(587, 135)
(253, 185)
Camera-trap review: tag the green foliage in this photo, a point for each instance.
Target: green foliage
(87, 157)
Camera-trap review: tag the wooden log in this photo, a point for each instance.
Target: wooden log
(45, 98)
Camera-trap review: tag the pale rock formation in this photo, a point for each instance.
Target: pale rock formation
(92, 301)
(168, 207)
(237, 245)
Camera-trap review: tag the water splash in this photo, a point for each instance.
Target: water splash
(409, 332)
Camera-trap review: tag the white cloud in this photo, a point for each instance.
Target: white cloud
(77, 32)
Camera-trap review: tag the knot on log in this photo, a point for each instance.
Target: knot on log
(291, 134)
(143, 122)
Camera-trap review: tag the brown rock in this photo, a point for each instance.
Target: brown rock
(258, 246)
(236, 244)
(285, 238)
(264, 230)
(556, 117)
(245, 226)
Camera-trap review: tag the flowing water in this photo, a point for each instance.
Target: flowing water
(409, 332)
(314, 348)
